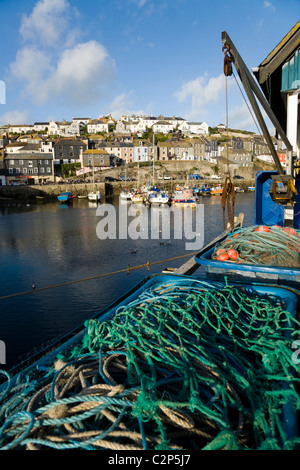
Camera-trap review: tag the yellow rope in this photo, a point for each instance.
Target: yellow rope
(126, 270)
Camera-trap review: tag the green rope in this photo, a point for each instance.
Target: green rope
(187, 365)
(275, 247)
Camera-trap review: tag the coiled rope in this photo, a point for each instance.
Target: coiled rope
(188, 364)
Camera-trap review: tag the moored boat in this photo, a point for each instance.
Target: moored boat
(156, 196)
(95, 196)
(126, 195)
(65, 197)
(138, 197)
(183, 197)
(204, 190)
(216, 190)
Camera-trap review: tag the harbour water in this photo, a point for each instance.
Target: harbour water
(43, 245)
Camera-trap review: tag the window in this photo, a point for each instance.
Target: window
(39, 162)
(46, 162)
(24, 170)
(42, 170)
(35, 170)
(17, 170)
(10, 170)
(48, 169)
(30, 165)
(12, 162)
(20, 162)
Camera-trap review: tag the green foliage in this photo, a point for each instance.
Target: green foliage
(69, 169)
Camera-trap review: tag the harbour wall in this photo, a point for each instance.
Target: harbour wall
(108, 189)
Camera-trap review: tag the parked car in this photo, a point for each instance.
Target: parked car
(215, 177)
(195, 176)
(238, 177)
(110, 178)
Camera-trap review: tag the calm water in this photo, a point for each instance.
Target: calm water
(47, 244)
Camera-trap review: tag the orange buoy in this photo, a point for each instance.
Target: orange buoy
(220, 251)
(262, 228)
(289, 230)
(233, 254)
(223, 257)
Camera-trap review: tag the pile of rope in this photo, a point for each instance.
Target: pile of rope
(259, 244)
(187, 365)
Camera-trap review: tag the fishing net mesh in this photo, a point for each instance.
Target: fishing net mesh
(271, 246)
(186, 365)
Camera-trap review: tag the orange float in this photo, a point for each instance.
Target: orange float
(220, 251)
(289, 230)
(233, 254)
(223, 257)
(262, 228)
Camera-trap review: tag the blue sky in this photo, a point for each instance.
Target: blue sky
(68, 58)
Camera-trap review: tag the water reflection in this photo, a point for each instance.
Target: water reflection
(45, 245)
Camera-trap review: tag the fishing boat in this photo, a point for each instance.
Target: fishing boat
(183, 197)
(65, 197)
(239, 190)
(251, 188)
(216, 190)
(204, 190)
(95, 196)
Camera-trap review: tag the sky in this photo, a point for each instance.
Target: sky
(68, 58)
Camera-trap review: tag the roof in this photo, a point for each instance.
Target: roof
(280, 54)
(69, 141)
(29, 156)
(95, 152)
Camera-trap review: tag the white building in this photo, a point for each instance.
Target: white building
(96, 126)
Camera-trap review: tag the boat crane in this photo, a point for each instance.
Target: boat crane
(282, 189)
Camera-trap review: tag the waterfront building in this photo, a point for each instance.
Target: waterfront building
(99, 159)
(28, 164)
(67, 150)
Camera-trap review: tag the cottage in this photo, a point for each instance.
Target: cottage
(98, 158)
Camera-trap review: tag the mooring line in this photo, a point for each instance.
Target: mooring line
(125, 270)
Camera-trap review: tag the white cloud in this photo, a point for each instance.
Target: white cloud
(123, 104)
(75, 71)
(30, 67)
(200, 93)
(269, 5)
(47, 21)
(82, 73)
(14, 117)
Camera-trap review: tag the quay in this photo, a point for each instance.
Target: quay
(25, 193)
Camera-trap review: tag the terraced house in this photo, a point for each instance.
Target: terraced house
(26, 161)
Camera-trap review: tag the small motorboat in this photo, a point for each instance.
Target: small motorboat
(94, 196)
(216, 190)
(65, 197)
